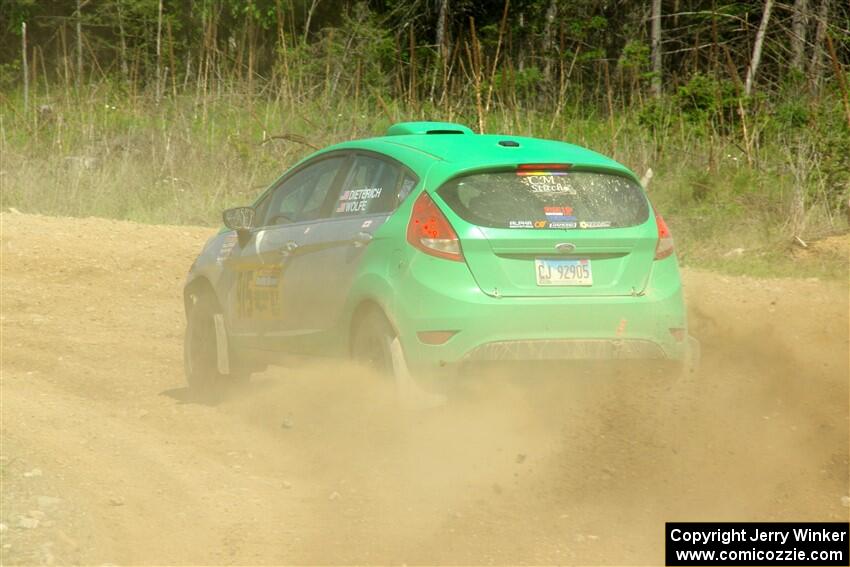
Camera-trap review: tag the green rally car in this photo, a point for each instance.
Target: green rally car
(432, 248)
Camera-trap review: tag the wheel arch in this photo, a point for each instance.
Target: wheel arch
(365, 307)
(198, 286)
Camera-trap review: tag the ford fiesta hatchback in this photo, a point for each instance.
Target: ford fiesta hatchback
(432, 248)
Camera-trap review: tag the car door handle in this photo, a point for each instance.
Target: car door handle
(289, 248)
(361, 239)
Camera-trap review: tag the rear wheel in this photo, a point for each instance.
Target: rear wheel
(682, 390)
(200, 350)
(372, 344)
(376, 345)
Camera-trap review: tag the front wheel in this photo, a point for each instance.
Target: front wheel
(201, 350)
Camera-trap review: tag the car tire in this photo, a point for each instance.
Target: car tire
(200, 351)
(376, 345)
(372, 343)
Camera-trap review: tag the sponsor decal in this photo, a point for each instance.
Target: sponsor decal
(366, 224)
(560, 224)
(265, 280)
(553, 182)
(520, 224)
(559, 213)
(594, 224)
(258, 291)
(353, 207)
(357, 200)
(540, 224)
(226, 249)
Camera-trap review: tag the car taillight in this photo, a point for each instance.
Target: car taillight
(429, 230)
(665, 239)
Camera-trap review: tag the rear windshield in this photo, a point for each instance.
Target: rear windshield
(547, 199)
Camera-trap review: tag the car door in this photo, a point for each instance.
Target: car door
(333, 249)
(261, 302)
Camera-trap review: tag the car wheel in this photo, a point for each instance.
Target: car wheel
(372, 344)
(200, 351)
(376, 345)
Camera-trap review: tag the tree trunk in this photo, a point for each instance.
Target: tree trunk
(125, 70)
(441, 29)
(79, 42)
(656, 49)
(756, 59)
(839, 75)
(799, 20)
(548, 40)
(313, 5)
(520, 56)
(817, 53)
(159, 51)
(25, 66)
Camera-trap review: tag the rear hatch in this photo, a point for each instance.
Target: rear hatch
(553, 231)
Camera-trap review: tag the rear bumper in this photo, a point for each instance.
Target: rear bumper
(443, 296)
(565, 349)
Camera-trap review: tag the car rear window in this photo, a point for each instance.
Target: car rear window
(547, 199)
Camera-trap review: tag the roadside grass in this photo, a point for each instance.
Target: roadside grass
(185, 159)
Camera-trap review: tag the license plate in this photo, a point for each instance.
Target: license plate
(551, 271)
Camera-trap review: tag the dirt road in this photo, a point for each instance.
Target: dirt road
(106, 459)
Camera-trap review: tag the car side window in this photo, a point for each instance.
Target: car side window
(408, 182)
(369, 188)
(302, 195)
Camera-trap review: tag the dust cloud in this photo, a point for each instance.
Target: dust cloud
(107, 457)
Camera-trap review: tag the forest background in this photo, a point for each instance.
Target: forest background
(170, 111)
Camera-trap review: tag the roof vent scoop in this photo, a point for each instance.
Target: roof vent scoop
(408, 128)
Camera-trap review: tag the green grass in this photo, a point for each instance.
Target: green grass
(183, 160)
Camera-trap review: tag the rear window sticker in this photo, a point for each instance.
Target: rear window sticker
(594, 224)
(553, 182)
(520, 224)
(559, 213)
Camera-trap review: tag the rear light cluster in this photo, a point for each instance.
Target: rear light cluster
(665, 239)
(429, 230)
(435, 337)
(544, 166)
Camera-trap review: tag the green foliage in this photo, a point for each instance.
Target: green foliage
(17, 12)
(10, 75)
(524, 83)
(791, 115)
(706, 98)
(232, 73)
(635, 56)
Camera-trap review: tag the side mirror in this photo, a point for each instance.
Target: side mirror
(239, 218)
